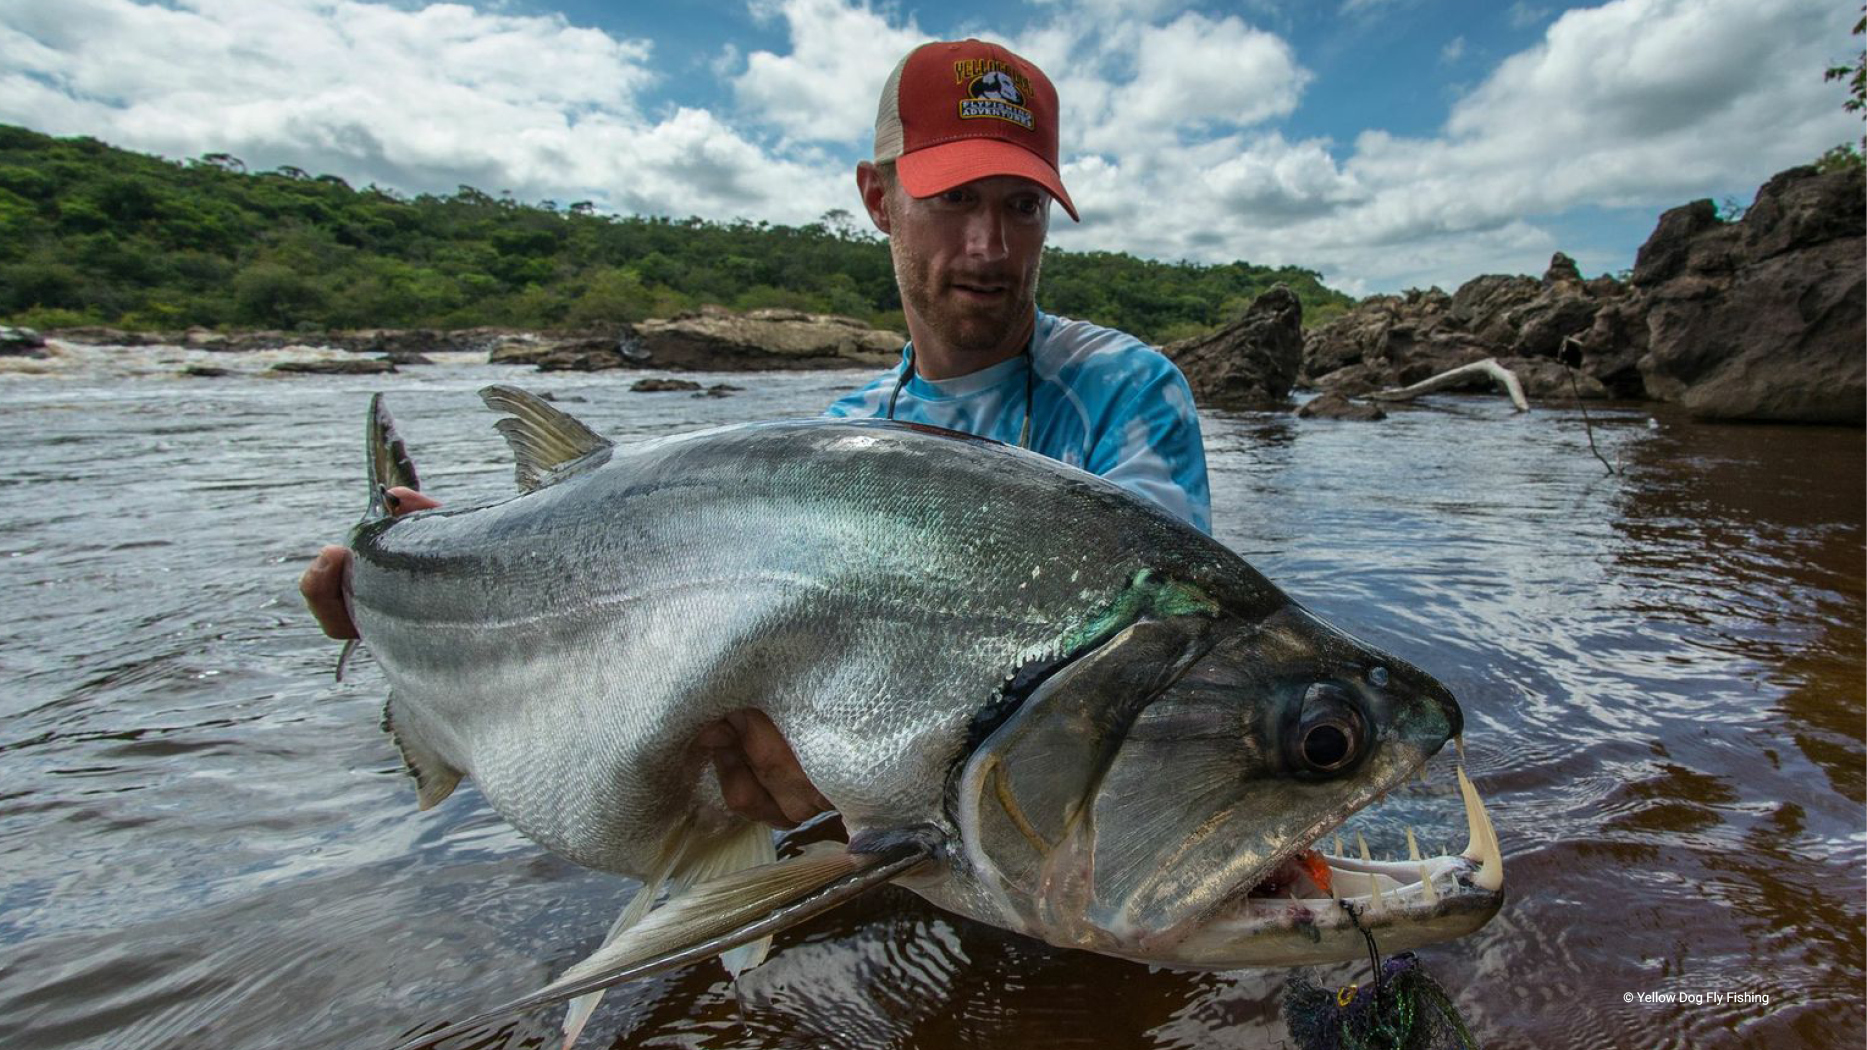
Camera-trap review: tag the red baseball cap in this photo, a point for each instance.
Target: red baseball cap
(955, 111)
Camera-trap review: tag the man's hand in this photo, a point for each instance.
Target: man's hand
(323, 583)
(759, 776)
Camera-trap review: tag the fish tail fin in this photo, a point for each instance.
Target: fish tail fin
(686, 860)
(389, 465)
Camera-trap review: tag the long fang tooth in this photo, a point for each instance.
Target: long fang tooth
(1338, 847)
(1362, 845)
(1374, 895)
(1458, 744)
(1426, 887)
(1474, 824)
(1413, 846)
(1483, 846)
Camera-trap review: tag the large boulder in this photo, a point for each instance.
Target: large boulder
(338, 366)
(1250, 363)
(717, 340)
(1765, 318)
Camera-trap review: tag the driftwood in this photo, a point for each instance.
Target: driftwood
(1488, 366)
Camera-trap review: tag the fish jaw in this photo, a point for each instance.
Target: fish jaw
(1194, 795)
(1402, 904)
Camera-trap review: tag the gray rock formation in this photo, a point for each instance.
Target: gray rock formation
(21, 342)
(1758, 319)
(716, 340)
(1335, 406)
(1250, 363)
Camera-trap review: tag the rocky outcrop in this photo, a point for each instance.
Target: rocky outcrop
(21, 342)
(1335, 406)
(717, 340)
(337, 366)
(1758, 319)
(656, 386)
(1250, 363)
(1765, 318)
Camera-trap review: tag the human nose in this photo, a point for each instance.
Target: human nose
(985, 235)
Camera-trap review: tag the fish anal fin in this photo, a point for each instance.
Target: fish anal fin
(715, 915)
(547, 445)
(434, 778)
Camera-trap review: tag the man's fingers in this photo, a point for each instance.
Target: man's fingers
(407, 499)
(742, 791)
(323, 588)
(776, 766)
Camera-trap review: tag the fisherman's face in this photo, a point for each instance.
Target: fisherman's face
(967, 260)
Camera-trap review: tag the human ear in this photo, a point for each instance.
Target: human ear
(874, 194)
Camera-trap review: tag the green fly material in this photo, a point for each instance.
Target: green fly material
(1403, 1009)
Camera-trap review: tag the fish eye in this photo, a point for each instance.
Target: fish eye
(1329, 733)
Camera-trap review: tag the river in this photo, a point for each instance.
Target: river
(205, 842)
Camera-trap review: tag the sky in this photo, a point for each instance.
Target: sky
(1387, 144)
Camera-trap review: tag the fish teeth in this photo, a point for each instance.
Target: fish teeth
(1413, 846)
(1426, 886)
(1338, 847)
(1482, 846)
(1374, 893)
(1362, 845)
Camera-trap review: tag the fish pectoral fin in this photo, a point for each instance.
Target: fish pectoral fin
(713, 916)
(688, 860)
(434, 778)
(389, 465)
(547, 444)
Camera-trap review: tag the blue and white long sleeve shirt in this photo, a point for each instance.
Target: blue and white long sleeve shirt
(1101, 400)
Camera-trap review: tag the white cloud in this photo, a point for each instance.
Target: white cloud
(415, 98)
(1453, 51)
(1523, 16)
(825, 89)
(1634, 103)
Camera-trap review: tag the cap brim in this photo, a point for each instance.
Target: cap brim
(937, 169)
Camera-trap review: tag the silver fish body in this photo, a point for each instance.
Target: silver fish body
(1113, 727)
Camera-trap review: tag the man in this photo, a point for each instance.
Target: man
(963, 176)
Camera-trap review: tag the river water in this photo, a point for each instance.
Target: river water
(205, 842)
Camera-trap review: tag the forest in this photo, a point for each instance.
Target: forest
(91, 234)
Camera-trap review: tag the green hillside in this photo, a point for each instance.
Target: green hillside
(91, 234)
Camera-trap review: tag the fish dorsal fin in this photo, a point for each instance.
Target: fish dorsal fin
(389, 465)
(547, 444)
(714, 916)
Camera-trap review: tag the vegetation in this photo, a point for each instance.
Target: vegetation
(1846, 157)
(91, 234)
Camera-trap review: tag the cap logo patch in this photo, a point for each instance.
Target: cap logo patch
(995, 91)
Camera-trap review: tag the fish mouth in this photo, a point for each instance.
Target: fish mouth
(1313, 906)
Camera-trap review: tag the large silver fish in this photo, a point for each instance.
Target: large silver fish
(1035, 699)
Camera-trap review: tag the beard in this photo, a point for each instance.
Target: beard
(966, 326)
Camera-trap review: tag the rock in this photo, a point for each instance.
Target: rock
(722, 341)
(582, 355)
(1762, 319)
(21, 342)
(656, 386)
(98, 335)
(206, 371)
(1562, 270)
(1664, 253)
(1335, 406)
(520, 349)
(1250, 363)
(1563, 310)
(719, 390)
(338, 366)
(407, 357)
(1482, 306)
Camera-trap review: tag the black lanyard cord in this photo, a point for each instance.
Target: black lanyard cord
(1030, 369)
